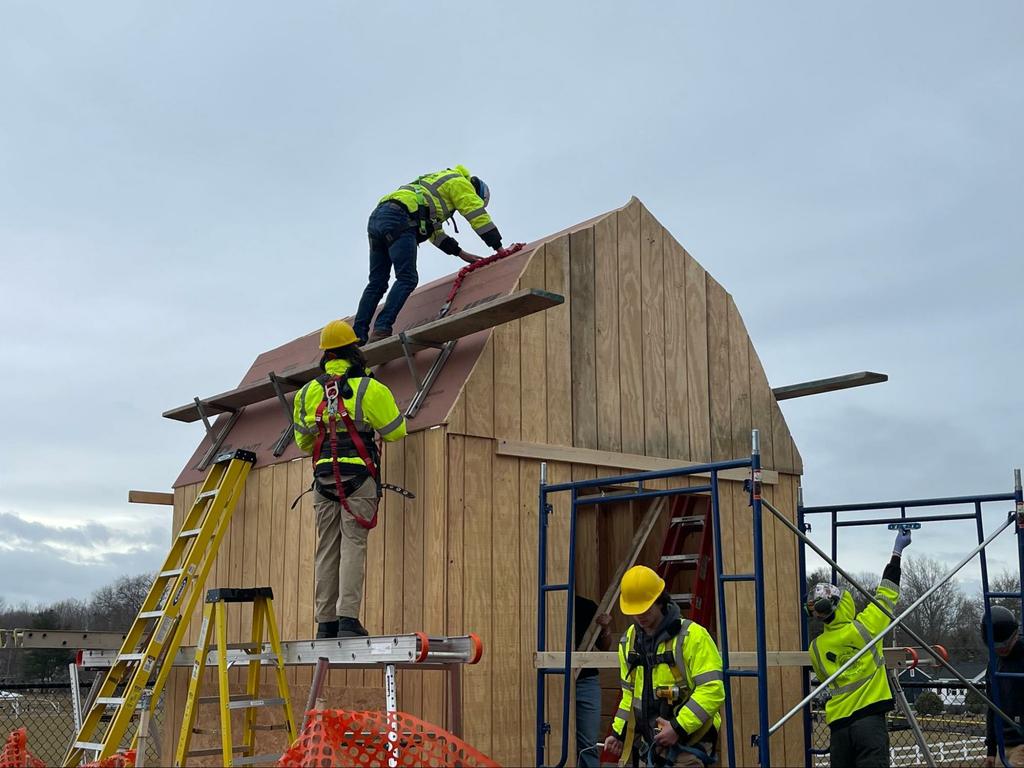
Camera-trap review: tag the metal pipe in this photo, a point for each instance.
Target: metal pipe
(542, 557)
(805, 675)
(901, 520)
(570, 601)
(763, 736)
(723, 624)
(619, 497)
(895, 622)
(938, 502)
(637, 477)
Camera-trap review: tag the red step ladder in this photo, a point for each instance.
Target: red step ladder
(688, 546)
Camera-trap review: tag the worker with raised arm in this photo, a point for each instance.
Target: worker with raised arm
(855, 713)
(1009, 650)
(407, 217)
(671, 679)
(336, 417)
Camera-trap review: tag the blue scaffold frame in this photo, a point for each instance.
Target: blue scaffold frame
(975, 502)
(753, 487)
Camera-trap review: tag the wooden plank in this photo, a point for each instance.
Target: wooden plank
(833, 384)
(739, 382)
(394, 542)
(410, 689)
(697, 361)
(606, 324)
(652, 321)
(435, 561)
(533, 358)
(288, 603)
(588, 583)
(558, 572)
(631, 362)
(479, 394)
(151, 497)
(506, 658)
(506, 394)
(465, 323)
(559, 358)
(789, 591)
(677, 404)
(529, 484)
(455, 623)
(761, 406)
(305, 625)
(479, 608)
(718, 371)
(583, 339)
(245, 513)
(623, 461)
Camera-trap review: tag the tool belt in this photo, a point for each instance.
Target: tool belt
(348, 487)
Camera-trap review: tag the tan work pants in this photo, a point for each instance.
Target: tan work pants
(1016, 756)
(341, 551)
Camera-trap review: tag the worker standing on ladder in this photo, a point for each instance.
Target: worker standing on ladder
(860, 696)
(335, 417)
(407, 217)
(1009, 650)
(672, 682)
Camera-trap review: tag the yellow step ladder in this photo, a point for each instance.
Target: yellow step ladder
(145, 658)
(253, 653)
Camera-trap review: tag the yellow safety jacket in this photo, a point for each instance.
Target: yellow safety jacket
(688, 660)
(371, 406)
(434, 198)
(865, 683)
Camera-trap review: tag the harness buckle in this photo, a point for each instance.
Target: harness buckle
(331, 393)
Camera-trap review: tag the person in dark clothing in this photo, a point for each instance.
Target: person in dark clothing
(860, 696)
(588, 685)
(1010, 652)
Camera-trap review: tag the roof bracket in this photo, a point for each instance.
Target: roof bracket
(423, 388)
(216, 438)
(286, 436)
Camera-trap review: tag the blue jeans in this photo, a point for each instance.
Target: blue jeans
(588, 721)
(392, 232)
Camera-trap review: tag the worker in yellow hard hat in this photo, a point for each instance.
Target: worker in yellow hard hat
(336, 418)
(412, 214)
(672, 680)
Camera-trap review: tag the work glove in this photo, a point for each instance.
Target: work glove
(902, 541)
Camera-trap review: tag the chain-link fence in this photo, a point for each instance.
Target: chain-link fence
(46, 711)
(952, 728)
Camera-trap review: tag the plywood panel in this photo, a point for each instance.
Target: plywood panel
(606, 324)
(631, 362)
(559, 359)
(479, 394)
(410, 689)
(697, 361)
(479, 607)
(507, 381)
(506, 655)
(584, 346)
(677, 404)
(529, 482)
(533, 357)
(435, 571)
(652, 318)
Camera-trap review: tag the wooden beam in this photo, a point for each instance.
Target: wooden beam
(828, 385)
(151, 497)
(617, 460)
(895, 658)
(465, 323)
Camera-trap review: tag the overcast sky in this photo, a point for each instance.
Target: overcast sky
(185, 185)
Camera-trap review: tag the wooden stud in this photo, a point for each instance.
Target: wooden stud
(435, 568)
(479, 394)
(582, 334)
(631, 362)
(698, 337)
(677, 404)
(559, 359)
(652, 320)
(507, 381)
(410, 690)
(718, 371)
(606, 323)
(529, 485)
(506, 658)
(533, 358)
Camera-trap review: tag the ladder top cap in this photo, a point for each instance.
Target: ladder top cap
(238, 453)
(234, 595)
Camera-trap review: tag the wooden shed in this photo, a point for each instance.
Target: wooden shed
(646, 364)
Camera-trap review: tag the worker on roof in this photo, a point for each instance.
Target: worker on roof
(672, 682)
(335, 417)
(407, 217)
(855, 713)
(1009, 650)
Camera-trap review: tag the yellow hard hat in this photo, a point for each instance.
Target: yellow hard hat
(640, 588)
(337, 333)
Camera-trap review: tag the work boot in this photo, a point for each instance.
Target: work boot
(326, 629)
(349, 627)
(377, 335)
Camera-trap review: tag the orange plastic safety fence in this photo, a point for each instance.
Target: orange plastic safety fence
(15, 753)
(124, 759)
(377, 740)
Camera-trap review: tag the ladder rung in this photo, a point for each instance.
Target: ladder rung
(207, 494)
(190, 533)
(276, 727)
(256, 760)
(93, 745)
(214, 751)
(150, 614)
(688, 520)
(171, 573)
(682, 597)
(269, 656)
(111, 701)
(240, 646)
(680, 559)
(131, 656)
(254, 703)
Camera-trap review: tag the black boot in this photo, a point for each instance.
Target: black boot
(349, 627)
(326, 629)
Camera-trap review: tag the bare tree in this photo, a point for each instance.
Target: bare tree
(947, 617)
(116, 605)
(1007, 581)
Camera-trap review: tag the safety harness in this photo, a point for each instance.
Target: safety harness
(334, 406)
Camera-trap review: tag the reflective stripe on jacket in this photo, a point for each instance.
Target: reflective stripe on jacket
(444, 193)
(864, 683)
(371, 406)
(689, 660)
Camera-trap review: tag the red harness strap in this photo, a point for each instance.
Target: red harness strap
(466, 270)
(336, 411)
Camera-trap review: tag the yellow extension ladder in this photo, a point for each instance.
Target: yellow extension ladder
(253, 655)
(145, 659)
